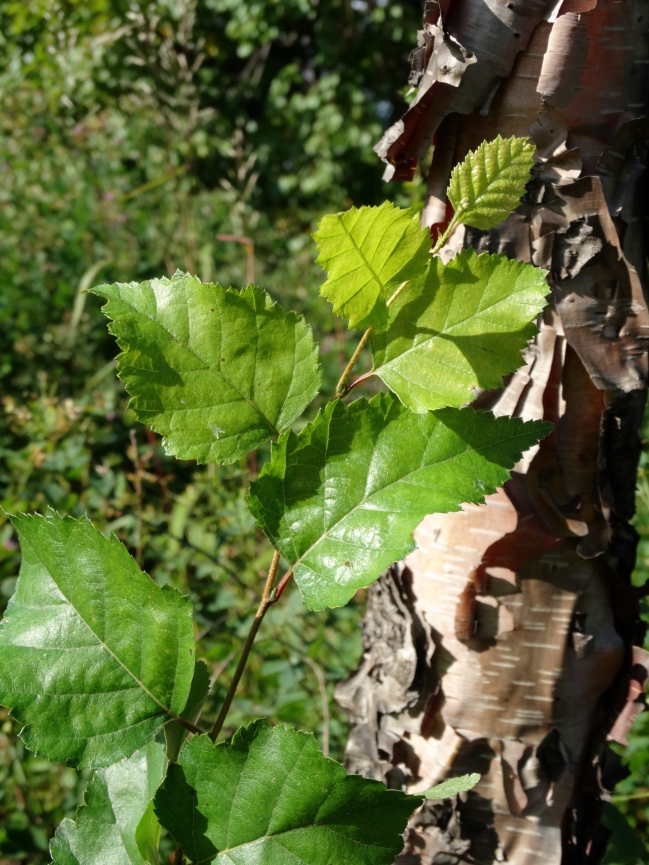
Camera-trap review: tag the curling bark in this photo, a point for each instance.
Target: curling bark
(508, 643)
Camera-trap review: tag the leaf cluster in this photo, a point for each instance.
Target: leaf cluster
(96, 659)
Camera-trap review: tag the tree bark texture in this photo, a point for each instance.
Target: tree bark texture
(508, 643)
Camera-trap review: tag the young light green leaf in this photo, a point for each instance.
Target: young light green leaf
(175, 733)
(340, 500)
(487, 186)
(451, 787)
(461, 327)
(147, 836)
(215, 372)
(368, 252)
(116, 801)
(270, 796)
(94, 656)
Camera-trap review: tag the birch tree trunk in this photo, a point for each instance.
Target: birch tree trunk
(507, 644)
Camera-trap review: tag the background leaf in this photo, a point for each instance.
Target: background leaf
(451, 787)
(215, 372)
(94, 656)
(270, 796)
(487, 186)
(116, 800)
(462, 327)
(341, 499)
(368, 251)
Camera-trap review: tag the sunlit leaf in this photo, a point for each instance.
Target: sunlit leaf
(461, 327)
(217, 372)
(368, 252)
(341, 499)
(270, 796)
(487, 186)
(451, 787)
(94, 656)
(112, 827)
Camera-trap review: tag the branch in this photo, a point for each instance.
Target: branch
(267, 599)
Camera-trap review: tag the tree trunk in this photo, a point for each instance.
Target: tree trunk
(507, 644)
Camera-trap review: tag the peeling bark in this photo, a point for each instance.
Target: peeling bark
(507, 644)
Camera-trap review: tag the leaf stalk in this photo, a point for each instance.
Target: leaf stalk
(340, 387)
(267, 599)
(396, 294)
(441, 240)
(277, 594)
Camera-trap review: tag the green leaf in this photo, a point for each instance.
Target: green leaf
(451, 787)
(368, 252)
(340, 500)
(147, 835)
(463, 326)
(215, 372)
(94, 656)
(270, 796)
(175, 733)
(487, 186)
(117, 799)
(625, 847)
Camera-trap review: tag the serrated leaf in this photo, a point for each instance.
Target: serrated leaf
(94, 656)
(217, 372)
(368, 252)
(488, 185)
(462, 327)
(270, 796)
(451, 787)
(116, 801)
(175, 733)
(340, 500)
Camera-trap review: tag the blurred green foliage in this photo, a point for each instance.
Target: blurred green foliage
(132, 134)
(631, 799)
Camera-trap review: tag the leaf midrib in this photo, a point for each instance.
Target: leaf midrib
(108, 650)
(209, 366)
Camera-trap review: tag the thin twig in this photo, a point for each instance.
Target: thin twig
(441, 240)
(138, 502)
(325, 703)
(340, 387)
(267, 599)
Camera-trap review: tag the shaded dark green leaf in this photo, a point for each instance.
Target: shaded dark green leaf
(271, 796)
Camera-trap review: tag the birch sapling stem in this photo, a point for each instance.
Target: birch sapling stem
(341, 389)
(267, 599)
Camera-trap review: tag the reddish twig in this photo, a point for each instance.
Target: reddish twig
(283, 583)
